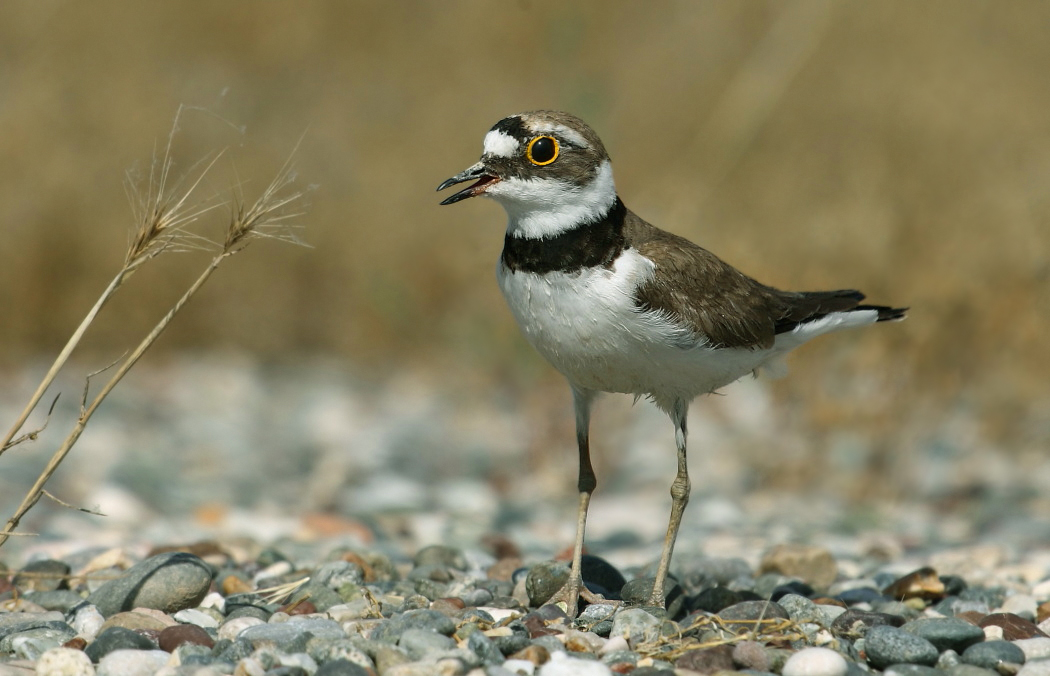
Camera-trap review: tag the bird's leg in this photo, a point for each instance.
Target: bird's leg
(573, 588)
(679, 498)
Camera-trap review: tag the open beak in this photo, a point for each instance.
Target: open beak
(480, 172)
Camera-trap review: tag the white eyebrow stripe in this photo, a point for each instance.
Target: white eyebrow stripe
(571, 135)
(500, 144)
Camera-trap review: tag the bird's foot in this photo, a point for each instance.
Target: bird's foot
(571, 593)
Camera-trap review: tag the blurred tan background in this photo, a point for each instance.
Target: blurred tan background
(897, 147)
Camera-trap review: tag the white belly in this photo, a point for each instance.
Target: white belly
(587, 326)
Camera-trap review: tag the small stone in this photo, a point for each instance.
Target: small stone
(910, 670)
(231, 629)
(638, 591)
(992, 654)
(60, 599)
(536, 654)
(636, 625)
(1021, 605)
(887, 645)
(21, 629)
(970, 670)
(1037, 668)
(172, 637)
(342, 667)
(815, 662)
(441, 555)
(201, 618)
(87, 622)
(747, 616)
(544, 580)
(800, 609)
(920, 584)
(814, 565)
(707, 660)
(117, 638)
(420, 643)
(601, 576)
(854, 624)
(1014, 627)
(1037, 648)
(485, 648)
(945, 633)
(132, 663)
(561, 664)
(167, 582)
(751, 655)
(715, 599)
(138, 621)
(45, 575)
(64, 662)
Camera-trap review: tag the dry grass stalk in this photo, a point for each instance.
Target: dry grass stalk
(163, 215)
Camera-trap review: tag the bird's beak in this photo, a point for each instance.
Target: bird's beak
(478, 171)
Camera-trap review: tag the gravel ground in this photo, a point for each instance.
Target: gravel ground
(428, 523)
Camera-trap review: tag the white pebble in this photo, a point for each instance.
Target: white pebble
(614, 644)
(197, 617)
(1037, 648)
(519, 667)
(1035, 668)
(132, 663)
(214, 600)
(87, 622)
(561, 664)
(64, 662)
(1019, 604)
(500, 614)
(232, 628)
(993, 633)
(815, 662)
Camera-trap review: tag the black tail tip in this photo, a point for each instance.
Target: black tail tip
(886, 314)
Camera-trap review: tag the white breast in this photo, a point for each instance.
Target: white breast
(586, 324)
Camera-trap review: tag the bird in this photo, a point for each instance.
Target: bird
(618, 305)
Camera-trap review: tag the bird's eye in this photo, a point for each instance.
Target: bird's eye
(542, 150)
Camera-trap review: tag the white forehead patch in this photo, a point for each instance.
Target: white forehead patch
(571, 135)
(500, 144)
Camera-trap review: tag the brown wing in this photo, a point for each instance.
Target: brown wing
(716, 300)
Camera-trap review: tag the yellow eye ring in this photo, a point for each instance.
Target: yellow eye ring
(542, 150)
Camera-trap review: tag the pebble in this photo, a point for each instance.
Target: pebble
(132, 663)
(945, 633)
(814, 565)
(886, 645)
(166, 582)
(64, 662)
(815, 662)
(993, 654)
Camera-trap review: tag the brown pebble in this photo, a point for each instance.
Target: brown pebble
(299, 608)
(76, 643)
(622, 667)
(536, 626)
(707, 660)
(448, 606)
(504, 568)
(828, 601)
(919, 584)
(367, 570)
(172, 637)
(536, 654)
(1042, 612)
(231, 584)
(813, 565)
(501, 546)
(1014, 627)
(139, 620)
(751, 655)
(972, 616)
